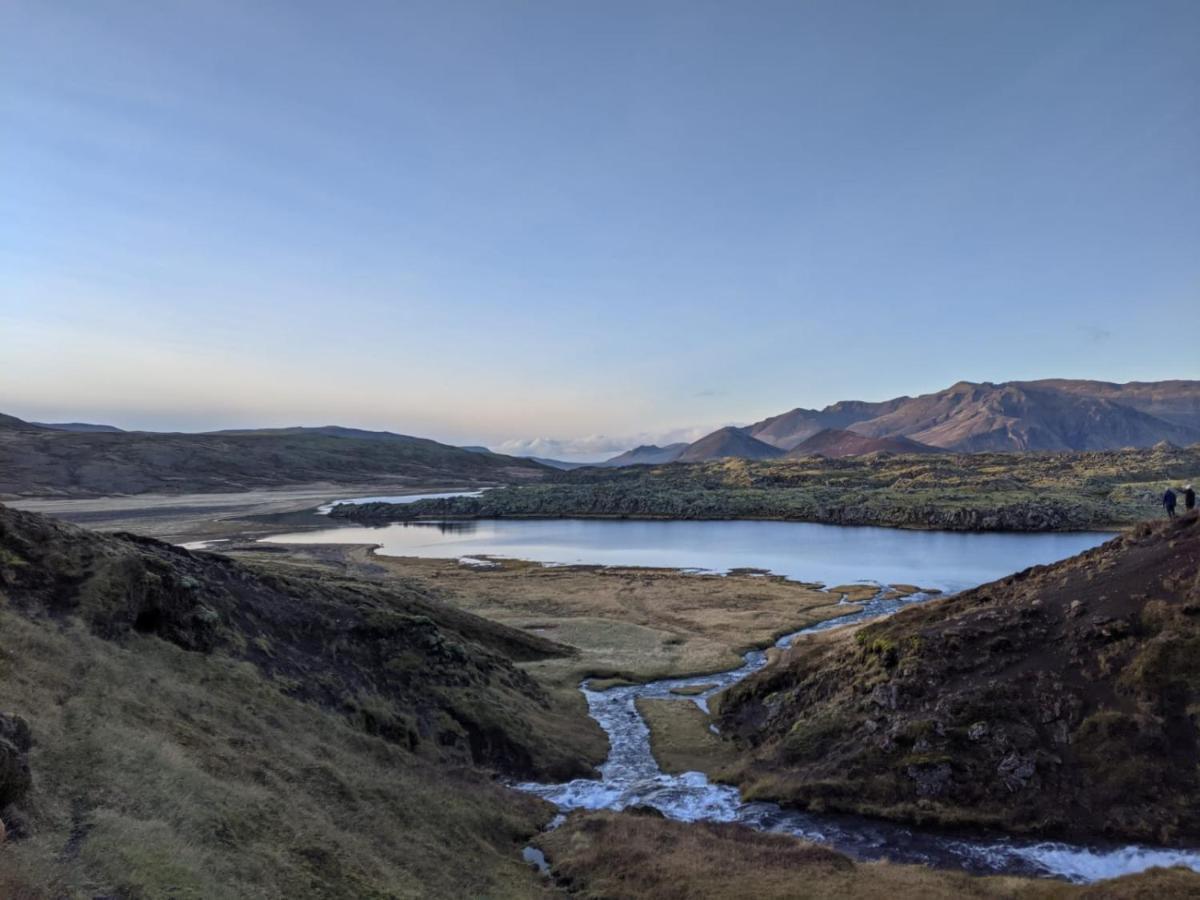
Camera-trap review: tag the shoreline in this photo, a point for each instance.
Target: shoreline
(369, 521)
(212, 515)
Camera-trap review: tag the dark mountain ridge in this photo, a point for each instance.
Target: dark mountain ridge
(36, 461)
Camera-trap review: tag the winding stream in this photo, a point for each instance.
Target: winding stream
(807, 552)
(631, 777)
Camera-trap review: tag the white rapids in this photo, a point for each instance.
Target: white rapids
(631, 777)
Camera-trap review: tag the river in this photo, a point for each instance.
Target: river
(807, 552)
(631, 777)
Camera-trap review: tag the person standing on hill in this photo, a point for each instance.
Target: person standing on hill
(1189, 497)
(1169, 503)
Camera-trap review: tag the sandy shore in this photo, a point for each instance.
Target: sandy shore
(181, 518)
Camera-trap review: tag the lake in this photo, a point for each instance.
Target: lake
(831, 554)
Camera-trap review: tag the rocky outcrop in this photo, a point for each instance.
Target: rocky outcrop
(37, 461)
(1064, 699)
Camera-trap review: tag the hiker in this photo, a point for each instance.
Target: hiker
(1189, 497)
(1169, 503)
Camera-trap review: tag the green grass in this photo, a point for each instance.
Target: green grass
(168, 773)
(987, 491)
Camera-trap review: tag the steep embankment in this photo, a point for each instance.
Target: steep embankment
(41, 461)
(975, 492)
(1063, 699)
(202, 727)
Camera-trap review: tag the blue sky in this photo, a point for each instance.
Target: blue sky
(486, 222)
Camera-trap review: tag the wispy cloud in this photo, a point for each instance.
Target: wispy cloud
(1096, 334)
(596, 447)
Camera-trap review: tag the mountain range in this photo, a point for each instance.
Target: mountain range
(967, 417)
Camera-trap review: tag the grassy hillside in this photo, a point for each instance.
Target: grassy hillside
(204, 728)
(631, 855)
(38, 461)
(1063, 699)
(992, 491)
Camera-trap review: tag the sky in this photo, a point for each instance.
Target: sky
(566, 228)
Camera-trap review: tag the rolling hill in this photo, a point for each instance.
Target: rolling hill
(40, 461)
(726, 442)
(79, 426)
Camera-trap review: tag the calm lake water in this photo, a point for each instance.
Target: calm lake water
(831, 554)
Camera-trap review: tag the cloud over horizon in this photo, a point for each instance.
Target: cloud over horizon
(598, 447)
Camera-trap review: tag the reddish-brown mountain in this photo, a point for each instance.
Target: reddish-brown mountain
(836, 442)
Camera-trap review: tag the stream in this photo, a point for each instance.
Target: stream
(631, 777)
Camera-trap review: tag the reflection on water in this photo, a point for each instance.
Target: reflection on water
(465, 526)
(402, 498)
(807, 552)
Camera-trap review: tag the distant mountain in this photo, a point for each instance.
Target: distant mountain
(1177, 402)
(1052, 414)
(38, 461)
(836, 442)
(336, 431)
(728, 441)
(552, 463)
(564, 464)
(647, 454)
(1027, 416)
(79, 426)
(789, 429)
(12, 423)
